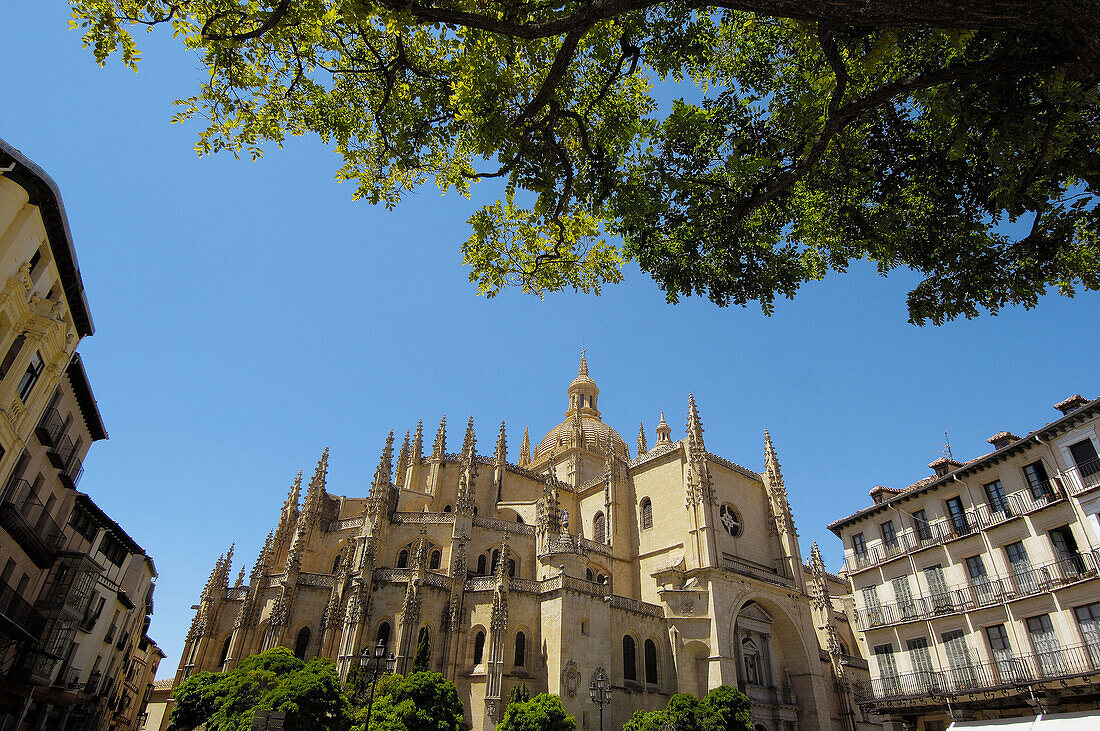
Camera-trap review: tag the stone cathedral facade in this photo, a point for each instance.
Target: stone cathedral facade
(674, 571)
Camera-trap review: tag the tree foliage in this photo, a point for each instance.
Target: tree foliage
(544, 712)
(722, 709)
(417, 701)
(959, 140)
(308, 693)
(423, 651)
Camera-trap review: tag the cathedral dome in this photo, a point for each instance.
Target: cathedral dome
(582, 427)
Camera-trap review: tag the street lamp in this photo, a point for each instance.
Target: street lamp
(375, 664)
(599, 690)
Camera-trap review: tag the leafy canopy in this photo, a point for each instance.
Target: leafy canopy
(544, 712)
(418, 701)
(308, 693)
(820, 132)
(722, 709)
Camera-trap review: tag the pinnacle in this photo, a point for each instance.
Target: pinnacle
(469, 440)
(441, 438)
(583, 371)
(502, 444)
(525, 449)
(642, 446)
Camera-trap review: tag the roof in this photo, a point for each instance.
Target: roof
(108, 523)
(1067, 422)
(43, 192)
(166, 684)
(84, 398)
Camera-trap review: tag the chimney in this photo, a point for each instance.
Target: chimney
(1071, 404)
(943, 465)
(1002, 439)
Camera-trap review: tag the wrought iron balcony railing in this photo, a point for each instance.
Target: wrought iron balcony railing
(29, 523)
(970, 522)
(1054, 665)
(983, 593)
(19, 620)
(50, 428)
(1084, 477)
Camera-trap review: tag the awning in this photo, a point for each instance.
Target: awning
(1079, 721)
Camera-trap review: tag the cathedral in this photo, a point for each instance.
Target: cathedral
(674, 571)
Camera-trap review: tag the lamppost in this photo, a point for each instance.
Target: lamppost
(376, 664)
(599, 690)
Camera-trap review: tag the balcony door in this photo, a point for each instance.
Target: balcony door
(1045, 642)
(1088, 618)
(937, 587)
(1023, 576)
(958, 656)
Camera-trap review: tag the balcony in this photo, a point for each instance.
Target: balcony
(50, 428)
(980, 594)
(1084, 477)
(1056, 665)
(18, 619)
(757, 571)
(63, 455)
(30, 524)
(970, 523)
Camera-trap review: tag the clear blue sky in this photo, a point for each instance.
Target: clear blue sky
(250, 314)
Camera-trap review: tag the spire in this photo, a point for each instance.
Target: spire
(502, 445)
(403, 461)
(525, 449)
(385, 463)
(418, 443)
(583, 371)
(771, 461)
(223, 578)
(469, 440)
(321, 472)
(694, 425)
(664, 432)
(440, 440)
(311, 506)
(240, 578)
(642, 447)
(291, 503)
(260, 567)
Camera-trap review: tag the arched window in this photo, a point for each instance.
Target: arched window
(225, 652)
(650, 662)
(446, 508)
(301, 644)
(336, 563)
(481, 565)
(496, 561)
(601, 579)
(433, 562)
(512, 567)
(599, 528)
(647, 513)
(479, 647)
(403, 559)
(588, 574)
(519, 519)
(630, 672)
(383, 635)
(475, 510)
(521, 650)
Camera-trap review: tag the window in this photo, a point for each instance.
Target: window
(937, 587)
(436, 558)
(979, 580)
(521, 650)
(12, 354)
(630, 672)
(889, 535)
(1023, 577)
(650, 662)
(1088, 619)
(920, 658)
(731, 521)
(479, 647)
(112, 549)
(599, 529)
(83, 524)
(446, 508)
(495, 562)
(887, 669)
(1003, 661)
(403, 559)
(872, 607)
(1070, 564)
(920, 525)
(225, 650)
(589, 575)
(958, 516)
(647, 513)
(1084, 456)
(1037, 481)
(907, 609)
(859, 545)
(958, 656)
(1045, 644)
(26, 383)
(998, 503)
(481, 565)
(336, 563)
(512, 567)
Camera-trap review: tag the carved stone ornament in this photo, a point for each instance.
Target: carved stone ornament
(571, 679)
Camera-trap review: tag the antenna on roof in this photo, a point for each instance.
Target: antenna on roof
(946, 450)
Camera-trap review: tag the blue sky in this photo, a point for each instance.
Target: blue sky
(249, 314)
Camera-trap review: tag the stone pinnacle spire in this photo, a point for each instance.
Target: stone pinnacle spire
(385, 463)
(291, 503)
(583, 371)
(501, 453)
(664, 432)
(402, 461)
(642, 447)
(525, 449)
(440, 439)
(418, 443)
(694, 425)
(771, 461)
(469, 440)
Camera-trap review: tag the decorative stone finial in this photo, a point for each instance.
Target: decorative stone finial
(694, 425)
(525, 449)
(418, 443)
(402, 461)
(664, 432)
(502, 446)
(469, 440)
(440, 439)
(642, 448)
(583, 371)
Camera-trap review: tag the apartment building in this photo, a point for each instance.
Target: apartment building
(977, 588)
(59, 552)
